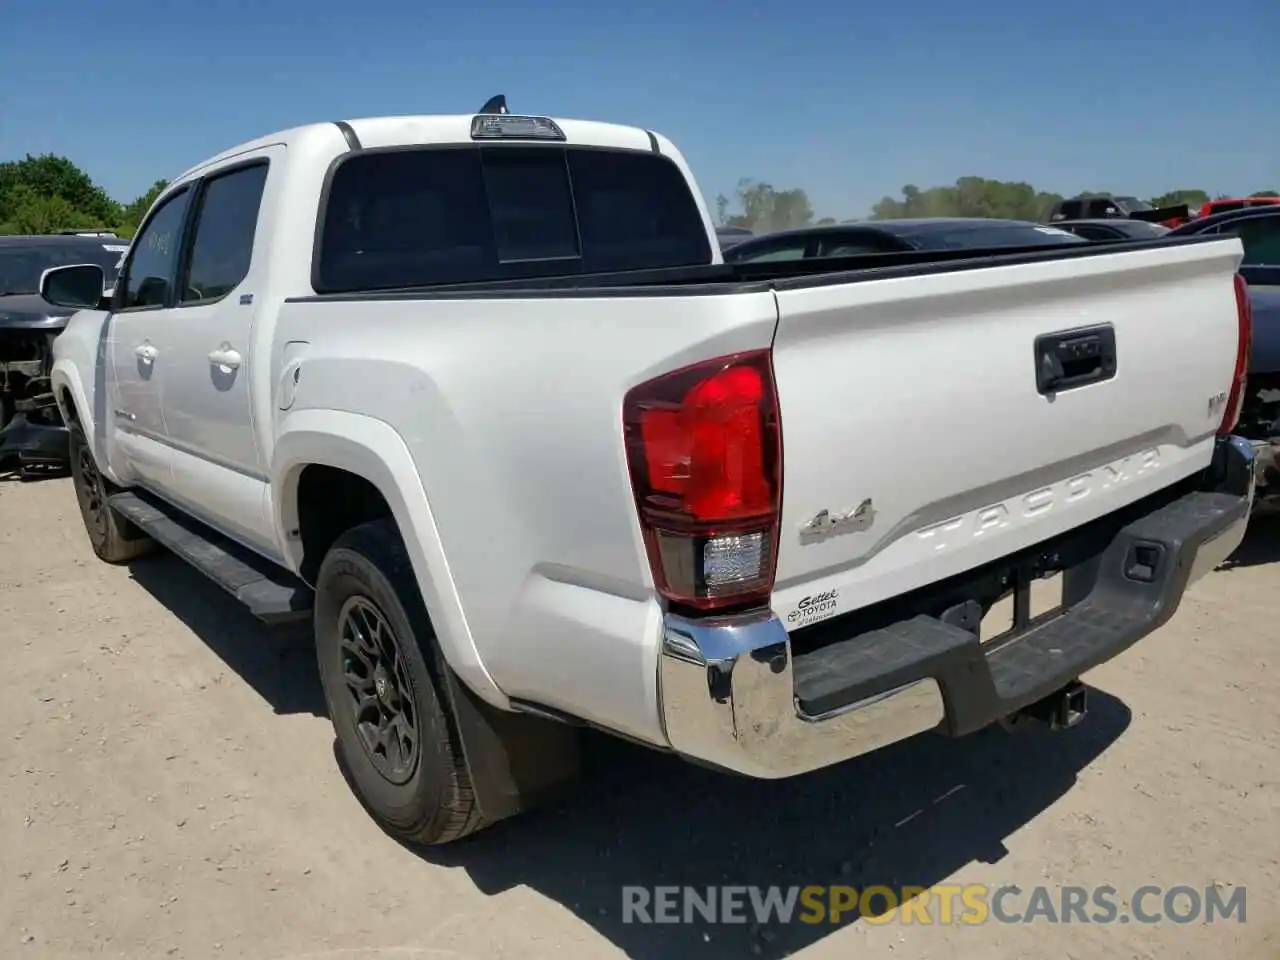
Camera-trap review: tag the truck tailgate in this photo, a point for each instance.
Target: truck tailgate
(911, 412)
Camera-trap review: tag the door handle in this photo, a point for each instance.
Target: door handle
(1075, 358)
(225, 358)
(145, 352)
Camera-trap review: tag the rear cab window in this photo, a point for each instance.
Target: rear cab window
(423, 216)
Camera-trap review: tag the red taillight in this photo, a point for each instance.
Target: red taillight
(705, 454)
(1244, 342)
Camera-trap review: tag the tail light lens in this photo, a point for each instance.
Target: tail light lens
(705, 454)
(1244, 343)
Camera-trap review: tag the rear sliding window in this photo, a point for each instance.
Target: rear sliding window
(411, 218)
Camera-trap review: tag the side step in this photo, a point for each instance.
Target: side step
(271, 593)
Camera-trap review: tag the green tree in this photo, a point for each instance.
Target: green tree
(969, 197)
(766, 210)
(1264, 193)
(1192, 198)
(30, 212)
(722, 209)
(51, 176)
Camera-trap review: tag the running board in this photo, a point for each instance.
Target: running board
(272, 594)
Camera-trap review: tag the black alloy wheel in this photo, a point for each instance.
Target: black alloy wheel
(373, 669)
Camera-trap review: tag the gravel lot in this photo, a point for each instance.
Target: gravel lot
(168, 788)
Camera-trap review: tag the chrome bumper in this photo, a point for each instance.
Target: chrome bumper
(728, 699)
(727, 686)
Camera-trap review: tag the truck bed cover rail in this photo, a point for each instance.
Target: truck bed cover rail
(722, 278)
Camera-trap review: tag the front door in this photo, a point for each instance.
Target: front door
(137, 341)
(218, 468)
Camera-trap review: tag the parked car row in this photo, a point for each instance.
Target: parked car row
(32, 433)
(1117, 208)
(531, 459)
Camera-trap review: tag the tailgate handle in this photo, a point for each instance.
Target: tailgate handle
(1075, 358)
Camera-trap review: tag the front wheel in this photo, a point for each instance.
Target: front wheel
(113, 538)
(383, 682)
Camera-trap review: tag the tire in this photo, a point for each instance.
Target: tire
(365, 588)
(113, 538)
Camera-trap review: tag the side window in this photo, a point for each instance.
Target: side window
(791, 251)
(225, 226)
(1261, 240)
(1102, 207)
(154, 258)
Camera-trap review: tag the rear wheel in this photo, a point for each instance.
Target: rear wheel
(383, 682)
(114, 539)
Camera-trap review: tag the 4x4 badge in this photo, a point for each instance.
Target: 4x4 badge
(859, 518)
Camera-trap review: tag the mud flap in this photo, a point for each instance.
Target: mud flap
(516, 761)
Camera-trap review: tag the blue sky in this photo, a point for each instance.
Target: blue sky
(848, 100)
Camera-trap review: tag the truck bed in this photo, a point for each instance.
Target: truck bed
(732, 277)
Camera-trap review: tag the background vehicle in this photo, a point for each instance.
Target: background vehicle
(1228, 204)
(1113, 229)
(695, 521)
(896, 236)
(1107, 207)
(1259, 231)
(31, 430)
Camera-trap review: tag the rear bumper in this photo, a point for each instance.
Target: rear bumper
(734, 697)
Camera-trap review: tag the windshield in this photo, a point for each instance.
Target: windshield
(1133, 204)
(1003, 235)
(21, 266)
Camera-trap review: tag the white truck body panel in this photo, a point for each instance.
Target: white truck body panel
(920, 394)
(517, 441)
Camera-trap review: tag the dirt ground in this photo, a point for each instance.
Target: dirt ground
(168, 789)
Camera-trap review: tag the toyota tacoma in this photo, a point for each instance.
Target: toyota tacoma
(478, 395)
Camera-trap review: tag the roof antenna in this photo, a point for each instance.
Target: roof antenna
(496, 104)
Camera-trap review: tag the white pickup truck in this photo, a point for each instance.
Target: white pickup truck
(478, 395)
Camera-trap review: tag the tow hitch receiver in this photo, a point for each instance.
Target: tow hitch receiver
(1061, 709)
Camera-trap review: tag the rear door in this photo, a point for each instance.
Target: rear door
(218, 471)
(911, 407)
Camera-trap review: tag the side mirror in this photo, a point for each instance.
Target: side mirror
(80, 285)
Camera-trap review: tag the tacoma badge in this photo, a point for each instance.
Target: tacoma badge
(827, 522)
